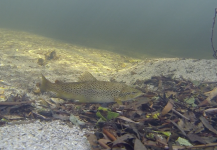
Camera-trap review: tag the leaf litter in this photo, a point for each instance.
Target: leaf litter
(173, 114)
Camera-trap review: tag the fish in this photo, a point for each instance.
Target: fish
(89, 90)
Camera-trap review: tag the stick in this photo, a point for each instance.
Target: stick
(15, 103)
(213, 24)
(196, 146)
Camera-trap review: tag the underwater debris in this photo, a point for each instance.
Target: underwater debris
(137, 124)
(48, 56)
(41, 61)
(51, 55)
(76, 121)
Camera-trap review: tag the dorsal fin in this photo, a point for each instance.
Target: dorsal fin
(86, 76)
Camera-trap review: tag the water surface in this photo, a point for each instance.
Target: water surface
(152, 28)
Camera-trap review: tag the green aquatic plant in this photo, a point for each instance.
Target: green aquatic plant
(106, 114)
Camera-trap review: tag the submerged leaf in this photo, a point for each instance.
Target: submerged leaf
(207, 125)
(122, 139)
(167, 108)
(98, 114)
(190, 101)
(138, 145)
(211, 95)
(108, 134)
(103, 142)
(112, 115)
(126, 119)
(180, 128)
(167, 133)
(75, 120)
(109, 114)
(184, 142)
(193, 137)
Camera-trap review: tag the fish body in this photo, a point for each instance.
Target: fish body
(90, 90)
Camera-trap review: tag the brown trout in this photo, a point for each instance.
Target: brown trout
(89, 90)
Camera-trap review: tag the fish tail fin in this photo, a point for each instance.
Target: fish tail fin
(44, 84)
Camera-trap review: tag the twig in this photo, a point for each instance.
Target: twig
(39, 115)
(178, 113)
(180, 128)
(196, 146)
(213, 24)
(15, 103)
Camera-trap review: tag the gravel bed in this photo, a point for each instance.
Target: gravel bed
(53, 135)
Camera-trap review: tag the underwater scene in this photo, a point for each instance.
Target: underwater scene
(92, 75)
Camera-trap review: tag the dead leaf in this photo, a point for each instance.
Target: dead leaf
(109, 134)
(167, 108)
(126, 119)
(211, 110)
(178, 113)
(207, 125)
(122, 139)
(180, 128)
(134, 128)
(198, 128)
(150, 143)
(211, 95)
(103, 142)
(169, 93)
(138, 145)
(194, 137)
(191, 116)
(93, 141)
(140, 101)
(161, 140)
(186, 125)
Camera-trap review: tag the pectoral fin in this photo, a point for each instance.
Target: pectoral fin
(118, 101)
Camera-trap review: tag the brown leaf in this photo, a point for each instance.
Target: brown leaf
(93, 141)
(180, 128)
(140, 101)
(138, 145)
(198, 128)
(194, 137)
(161, 140)
(126, 119)
(150, 143)
(211, 95)
(207, 125)
(205, 102)
(169, 93)
(211, 110)
(186, 125)
(167, 108)
(103, 142)
(135, 129)
(122, 139)
(108, 134)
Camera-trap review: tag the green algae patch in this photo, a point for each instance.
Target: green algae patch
(190, 101)
(106, 114)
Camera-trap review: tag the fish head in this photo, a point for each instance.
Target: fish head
(129, 93)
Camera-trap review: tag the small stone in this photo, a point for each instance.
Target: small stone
(41, 61)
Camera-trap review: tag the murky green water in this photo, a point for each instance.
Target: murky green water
(136, 28)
